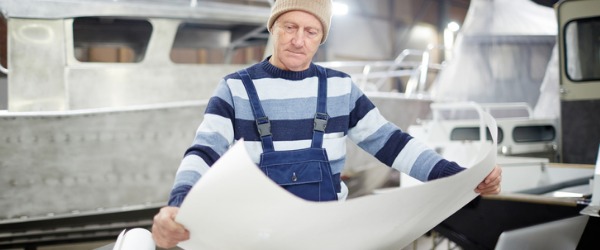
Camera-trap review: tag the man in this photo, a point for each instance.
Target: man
(295, 118)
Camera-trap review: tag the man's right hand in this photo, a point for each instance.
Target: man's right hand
(165, 231)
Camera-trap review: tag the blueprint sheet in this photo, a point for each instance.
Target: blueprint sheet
(235, 206)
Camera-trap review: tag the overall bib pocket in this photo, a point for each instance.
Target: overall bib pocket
(302, 174)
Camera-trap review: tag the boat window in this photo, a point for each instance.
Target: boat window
(538, 60)
(472, 134)
(204, 44)
(515, 59)
(582, 49)
(504, 61)
(3, 60)
(3, 42)
(537, 133)
(111, 40)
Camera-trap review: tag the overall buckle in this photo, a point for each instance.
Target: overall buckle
(320, 121)
(264, 126)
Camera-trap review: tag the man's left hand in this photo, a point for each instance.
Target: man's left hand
(491, 183)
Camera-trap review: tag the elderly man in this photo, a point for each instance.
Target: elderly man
(295, 118)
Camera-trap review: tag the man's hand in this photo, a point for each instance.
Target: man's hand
(491, 183)
(165, 231)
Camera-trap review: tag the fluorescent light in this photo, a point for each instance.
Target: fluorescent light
(453, 26)
(340, 9)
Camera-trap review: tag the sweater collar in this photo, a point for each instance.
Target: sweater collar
(287, 74)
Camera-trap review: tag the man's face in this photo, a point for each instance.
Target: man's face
(296, 38)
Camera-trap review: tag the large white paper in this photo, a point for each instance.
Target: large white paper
(235, 206)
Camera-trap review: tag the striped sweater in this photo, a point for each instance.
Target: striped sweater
(289, 100)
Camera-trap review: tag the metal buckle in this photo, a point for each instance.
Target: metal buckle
(264, 126)
(320, 121)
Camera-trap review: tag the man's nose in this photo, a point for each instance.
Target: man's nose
(298, 39)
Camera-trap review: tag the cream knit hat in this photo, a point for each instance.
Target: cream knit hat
(321, 9)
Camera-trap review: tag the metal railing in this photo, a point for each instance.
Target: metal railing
(373, 75)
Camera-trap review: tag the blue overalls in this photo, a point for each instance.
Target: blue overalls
(305, 173)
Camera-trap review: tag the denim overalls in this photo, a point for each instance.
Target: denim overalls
(303, 172)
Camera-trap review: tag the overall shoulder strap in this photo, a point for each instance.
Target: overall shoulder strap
(321, 116)
(263, 125)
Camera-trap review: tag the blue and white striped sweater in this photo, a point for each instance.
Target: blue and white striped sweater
(289, 100)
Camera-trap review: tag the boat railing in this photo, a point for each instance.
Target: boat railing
(498, 110)
(374, 75)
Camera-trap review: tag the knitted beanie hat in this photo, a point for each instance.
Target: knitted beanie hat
(321, 9)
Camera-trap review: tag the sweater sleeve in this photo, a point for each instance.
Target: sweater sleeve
(212, 139)
(392, 146)
(444, 168)
(178, 194)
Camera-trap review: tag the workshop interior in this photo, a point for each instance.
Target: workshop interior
(99, 100)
